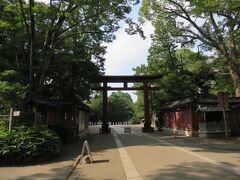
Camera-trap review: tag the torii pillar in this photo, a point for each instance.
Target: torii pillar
(147, 124)
(105, 128)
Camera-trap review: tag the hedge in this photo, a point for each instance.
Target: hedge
(28, 144)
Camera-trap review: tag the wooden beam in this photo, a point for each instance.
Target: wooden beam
(129, 79)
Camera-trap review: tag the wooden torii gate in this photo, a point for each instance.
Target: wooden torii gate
(125, 80)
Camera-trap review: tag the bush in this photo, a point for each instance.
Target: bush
(67, 135)
(28, 144)
(3, 125)
(134, 120)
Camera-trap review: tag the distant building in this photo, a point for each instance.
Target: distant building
(66, 114)
(201, 117)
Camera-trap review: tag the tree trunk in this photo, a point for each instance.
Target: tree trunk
(235, 78)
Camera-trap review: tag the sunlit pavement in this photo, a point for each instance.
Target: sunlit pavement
(154, 156)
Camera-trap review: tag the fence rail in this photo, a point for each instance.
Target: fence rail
(212, 126)
(4, 117)
(215, 125)
(110, 123)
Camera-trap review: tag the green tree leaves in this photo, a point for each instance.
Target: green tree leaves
(57, 49)
(120, 107)
(12, 92)
(212, 24)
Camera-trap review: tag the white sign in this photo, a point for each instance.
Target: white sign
(16, 113)
(88, 156)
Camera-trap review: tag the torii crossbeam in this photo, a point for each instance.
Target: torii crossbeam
(125, 80)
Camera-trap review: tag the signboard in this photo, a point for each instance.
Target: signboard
(88, 156)
(223, 99)
(16, 113)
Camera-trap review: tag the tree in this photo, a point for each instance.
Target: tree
(120, 107)
(96, 104)
(57, 48)
(185, 74)
(12, 93)
(209, 24)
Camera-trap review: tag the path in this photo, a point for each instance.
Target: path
(152, 156)
(120, 156)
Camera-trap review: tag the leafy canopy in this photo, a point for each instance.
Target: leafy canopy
(207, 25)
(56, 49)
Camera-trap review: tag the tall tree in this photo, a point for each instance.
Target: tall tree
(209, 24)
(57, 48)
(185, 74)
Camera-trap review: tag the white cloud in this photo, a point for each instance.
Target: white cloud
(127, 51)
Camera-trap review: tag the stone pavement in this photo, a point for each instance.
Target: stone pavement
(106, 160)
(153, 156)
(140, 156)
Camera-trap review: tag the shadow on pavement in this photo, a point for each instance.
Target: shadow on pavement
(190, 171)
(200, 144)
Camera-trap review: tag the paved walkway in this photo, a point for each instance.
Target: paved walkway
(140, 156)
(152, 156)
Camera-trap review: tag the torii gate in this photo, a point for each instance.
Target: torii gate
(125, 80)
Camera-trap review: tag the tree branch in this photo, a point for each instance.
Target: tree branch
(24, 19)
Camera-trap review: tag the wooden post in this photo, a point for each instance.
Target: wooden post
(10, 119)
(105, 109)
(223, 102)
(225, 122)
(147, 125)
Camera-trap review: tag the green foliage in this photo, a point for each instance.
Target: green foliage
(12, 93)
(97, 105)
(67, 135)
(120, 107)
(185, 74)
(3, 128)
(138, 108)
(206, 25)
(134, 120)
(28, 144)
(66, 39)
(223, 79)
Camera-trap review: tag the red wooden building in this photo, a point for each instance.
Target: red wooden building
(201, 117)
(66, 114)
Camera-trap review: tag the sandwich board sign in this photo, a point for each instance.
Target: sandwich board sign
(86, 150)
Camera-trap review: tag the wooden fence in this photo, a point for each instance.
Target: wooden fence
(4, 117)
(212, 126)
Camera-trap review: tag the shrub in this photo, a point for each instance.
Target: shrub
(3, 125)
(67, 135)
(28, 144)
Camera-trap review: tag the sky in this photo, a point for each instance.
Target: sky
(127, 51)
